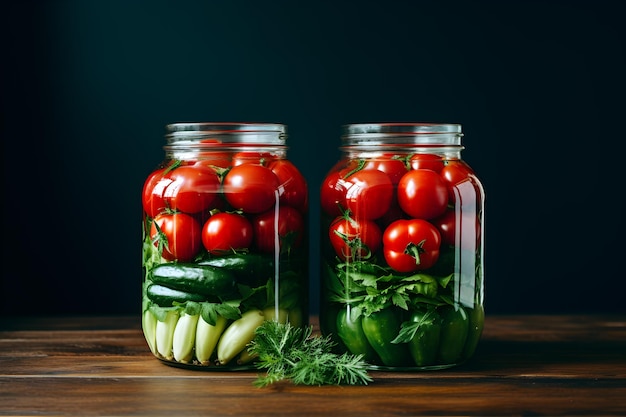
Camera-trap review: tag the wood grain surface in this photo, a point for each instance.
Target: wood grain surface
(525, 365)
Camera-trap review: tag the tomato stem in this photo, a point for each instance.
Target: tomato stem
(345, 214)
(406, 160)
(415, 250)
(360, 166)
(160, 239)
(175, 164)
(355, 244)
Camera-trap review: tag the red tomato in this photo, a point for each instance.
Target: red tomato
(293, 187)
(226, 232)
(459, 229)
(219, 159)
(333, 194)
(288, 228)
(354, 239)
(369, 193)
(467, 195)
(193, 188)
(390, 165)
(178, 235)
(454, 173)
(426, 161)
(446, 224)
(423, 194)
(252, 157)
(251, 188)
(411, 245)
(152, 195)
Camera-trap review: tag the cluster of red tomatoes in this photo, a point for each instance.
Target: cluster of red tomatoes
(225, 202)
(402, 204)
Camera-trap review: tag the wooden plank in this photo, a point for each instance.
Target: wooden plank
(235, 396)
(525, 365)
(509, 348)
(75, 322)
(493, 360)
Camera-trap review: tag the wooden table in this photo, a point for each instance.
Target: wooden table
(525, 365)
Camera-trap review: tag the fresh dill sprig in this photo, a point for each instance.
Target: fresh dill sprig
(292, 353)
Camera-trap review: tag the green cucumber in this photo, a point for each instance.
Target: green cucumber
(206, 280)
(248, 268)
(165, 296)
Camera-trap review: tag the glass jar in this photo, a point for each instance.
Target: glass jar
(402, 238)
(225, 243)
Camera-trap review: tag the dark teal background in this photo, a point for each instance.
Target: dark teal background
(88, 86)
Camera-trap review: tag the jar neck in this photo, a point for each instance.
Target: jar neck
(372, 138)
(188, 140)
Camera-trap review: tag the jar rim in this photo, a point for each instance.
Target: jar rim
(225, 127)
(402, 133)
(217, 133)
(402, 127)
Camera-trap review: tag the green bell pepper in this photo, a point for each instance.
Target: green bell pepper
(476, 318)
(454, 331)
(425, 343)
(351, 333)
(380, 329)
(328, 326)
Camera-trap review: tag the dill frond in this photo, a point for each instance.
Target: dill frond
(292, 353)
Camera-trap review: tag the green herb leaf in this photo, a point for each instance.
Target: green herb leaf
(192, 308)
(408, 328)
(444, 281)
(292, 353)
